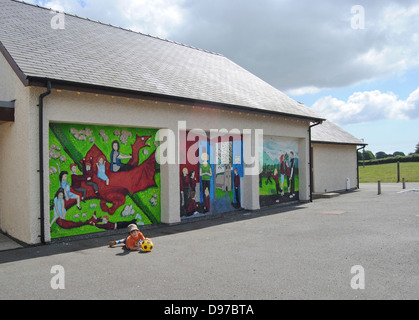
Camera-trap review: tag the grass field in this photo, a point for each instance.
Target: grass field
(388, 172)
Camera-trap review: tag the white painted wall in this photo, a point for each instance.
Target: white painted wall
(333, 164)
(17, 162)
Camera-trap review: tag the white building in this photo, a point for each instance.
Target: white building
(335, 158)
(90, 94)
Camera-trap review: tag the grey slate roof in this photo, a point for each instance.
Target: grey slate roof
(96, 54)
(328, 132)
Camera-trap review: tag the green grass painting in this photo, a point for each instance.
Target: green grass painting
(269, 189)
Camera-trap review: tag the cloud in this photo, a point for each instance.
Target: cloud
(303, 45)
(368, 106)
(154, 17)
(157, 17)
(303, 90)
(306, 44)
(413, 105)
(56, 5)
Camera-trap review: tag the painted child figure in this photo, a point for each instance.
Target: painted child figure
(59, 206)
(88, 175)
(67, 189)
(101, 171)
(292, 175)
(133, 241)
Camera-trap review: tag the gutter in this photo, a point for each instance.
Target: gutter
(127, 93)
(311, 157)
(41, 160)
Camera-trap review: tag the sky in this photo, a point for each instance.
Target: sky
(356, 63)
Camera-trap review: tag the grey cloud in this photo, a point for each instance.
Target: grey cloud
(292, 44)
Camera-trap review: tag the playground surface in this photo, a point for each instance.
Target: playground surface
(358, 245)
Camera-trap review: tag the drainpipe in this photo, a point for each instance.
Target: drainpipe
(311, 157)
(41, 159)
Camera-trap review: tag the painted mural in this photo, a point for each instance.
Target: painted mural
(211, 175)
(279, 171)
(102, 178)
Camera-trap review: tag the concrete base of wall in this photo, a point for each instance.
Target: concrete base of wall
(319, 195)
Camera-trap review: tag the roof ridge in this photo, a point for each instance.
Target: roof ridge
(120, 28)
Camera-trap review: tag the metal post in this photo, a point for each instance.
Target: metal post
(398, 171)
(404, 183)
(379, 187)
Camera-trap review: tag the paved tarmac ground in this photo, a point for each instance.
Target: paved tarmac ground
(304, 251)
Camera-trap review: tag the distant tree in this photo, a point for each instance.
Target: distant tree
(381, 155)
(368, 155)
(399, 153)
(417, 148)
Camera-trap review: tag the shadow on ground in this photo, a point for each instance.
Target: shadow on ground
(73, 244)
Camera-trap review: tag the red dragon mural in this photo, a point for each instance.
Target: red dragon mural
(113, 195)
